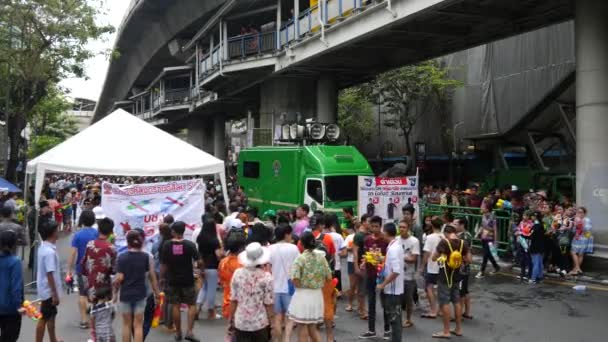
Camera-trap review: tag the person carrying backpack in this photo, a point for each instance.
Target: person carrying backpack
(451, 254)
(323, 242)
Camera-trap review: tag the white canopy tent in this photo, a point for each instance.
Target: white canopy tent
(123, 145)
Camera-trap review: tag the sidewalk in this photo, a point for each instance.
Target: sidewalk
(595, 278)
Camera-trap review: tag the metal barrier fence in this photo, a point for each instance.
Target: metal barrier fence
(473, 216)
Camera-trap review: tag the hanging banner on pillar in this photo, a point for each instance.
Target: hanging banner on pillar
(145, 205)
(386, 197)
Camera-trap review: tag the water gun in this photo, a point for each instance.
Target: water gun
(158, 310)
(30, 310)
(69, 282)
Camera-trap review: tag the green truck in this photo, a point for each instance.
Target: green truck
(282, 177)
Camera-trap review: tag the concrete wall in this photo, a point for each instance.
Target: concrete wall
(502, 80)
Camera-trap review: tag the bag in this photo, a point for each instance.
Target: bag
(563, 239)
(291, 288)
(319, 245)
(523, 242)
(454, 260)
(493, 250)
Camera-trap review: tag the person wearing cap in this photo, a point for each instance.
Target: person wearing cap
(270, 217)
(79, 245)
(11, 288)
(251, 295)
(99, 215)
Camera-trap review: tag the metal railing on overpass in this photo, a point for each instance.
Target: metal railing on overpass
(310, 22)
(252, 44)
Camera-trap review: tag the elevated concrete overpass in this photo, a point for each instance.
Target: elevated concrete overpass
(194, 63)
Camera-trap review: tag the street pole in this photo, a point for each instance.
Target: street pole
(453, 152)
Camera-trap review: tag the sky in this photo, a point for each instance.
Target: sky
(96, 67)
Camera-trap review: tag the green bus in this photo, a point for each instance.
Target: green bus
(282, 177)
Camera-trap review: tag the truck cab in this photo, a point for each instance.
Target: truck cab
(283, 177)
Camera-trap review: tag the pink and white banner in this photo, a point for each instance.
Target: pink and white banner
(145, 205)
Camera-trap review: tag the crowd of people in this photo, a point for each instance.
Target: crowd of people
(281, 272)
(552, 235)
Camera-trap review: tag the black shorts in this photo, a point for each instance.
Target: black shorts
(47, 309)
(430, 279)
(350, 268)
(464, 285)
(181, 295)
(82, 285)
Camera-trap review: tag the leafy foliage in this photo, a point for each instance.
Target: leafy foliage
(410, 92)
(355, 115)
(47, 42)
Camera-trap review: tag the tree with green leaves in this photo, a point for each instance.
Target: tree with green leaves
(47, 42)
(49, 122)
(355, 115)
(410, 92)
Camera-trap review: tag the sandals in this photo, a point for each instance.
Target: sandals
(408, 324)
(349, 308)
(467, 316)
(364, 317)
(441, 336)
(453, 332)
(428, 316)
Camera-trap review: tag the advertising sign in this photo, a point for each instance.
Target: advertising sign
(386, 197)
(145, 205)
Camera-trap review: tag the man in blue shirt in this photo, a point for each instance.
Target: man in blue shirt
(11, 290)
(79, 246)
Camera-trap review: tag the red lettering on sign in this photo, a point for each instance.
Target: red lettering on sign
(391, 181)
(150, 218)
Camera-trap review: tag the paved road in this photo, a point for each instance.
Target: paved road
(504, 310)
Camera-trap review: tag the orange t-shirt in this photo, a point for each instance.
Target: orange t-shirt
(226, 269)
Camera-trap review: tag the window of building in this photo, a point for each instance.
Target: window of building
(251, 169)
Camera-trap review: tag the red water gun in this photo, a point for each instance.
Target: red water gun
(30, 310)
(69, 282)
(158, 310)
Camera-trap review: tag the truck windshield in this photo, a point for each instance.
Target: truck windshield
(341, 188)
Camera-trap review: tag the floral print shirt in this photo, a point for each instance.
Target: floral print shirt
(311, 269)
(252, 289)
(98, 264)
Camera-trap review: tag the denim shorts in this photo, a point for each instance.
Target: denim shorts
(281, 302)
(133, 307)
(350, 268)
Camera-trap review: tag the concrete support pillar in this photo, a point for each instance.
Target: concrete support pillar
(327, 100)
(291, 96)
(200, 134)
(219, 136)
(591, 34)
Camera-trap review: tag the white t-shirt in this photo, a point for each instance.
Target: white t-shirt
(339, 245)
(282, 257)
(394, 264)
(430, 246)
(348, 243)
(410, 246)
